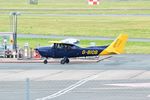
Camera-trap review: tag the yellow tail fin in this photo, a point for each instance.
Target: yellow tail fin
(117, 46)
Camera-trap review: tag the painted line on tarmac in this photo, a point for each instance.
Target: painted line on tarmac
(71, 87)
(133, 85)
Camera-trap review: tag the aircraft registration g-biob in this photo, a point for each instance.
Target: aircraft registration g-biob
(67, 50)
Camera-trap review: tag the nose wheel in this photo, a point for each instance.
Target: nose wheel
(64, 60)
(45, 61)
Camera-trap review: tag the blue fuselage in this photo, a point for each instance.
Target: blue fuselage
(72, 51)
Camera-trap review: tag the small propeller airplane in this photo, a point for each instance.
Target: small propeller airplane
(67, 50)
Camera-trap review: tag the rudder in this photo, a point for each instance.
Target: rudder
(117, 46)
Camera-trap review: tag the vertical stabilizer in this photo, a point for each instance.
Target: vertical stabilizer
(117, 46)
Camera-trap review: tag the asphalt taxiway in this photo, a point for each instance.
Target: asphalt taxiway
(121, 77)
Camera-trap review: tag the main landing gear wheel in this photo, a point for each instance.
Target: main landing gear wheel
(67, 60)
(45, 61)
(64, 60)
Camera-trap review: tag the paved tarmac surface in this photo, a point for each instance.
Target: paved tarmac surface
(121, 77)
(79, 15)
(89, 15)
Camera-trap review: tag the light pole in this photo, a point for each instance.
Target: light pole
(14, 28)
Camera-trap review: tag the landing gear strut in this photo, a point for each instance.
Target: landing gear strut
(64, 60)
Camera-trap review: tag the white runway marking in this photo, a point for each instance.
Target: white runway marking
(61, 92)
(148, 96)
(134, 85)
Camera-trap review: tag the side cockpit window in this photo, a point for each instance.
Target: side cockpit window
(59, 46)
(55, 46)
(64, 46)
